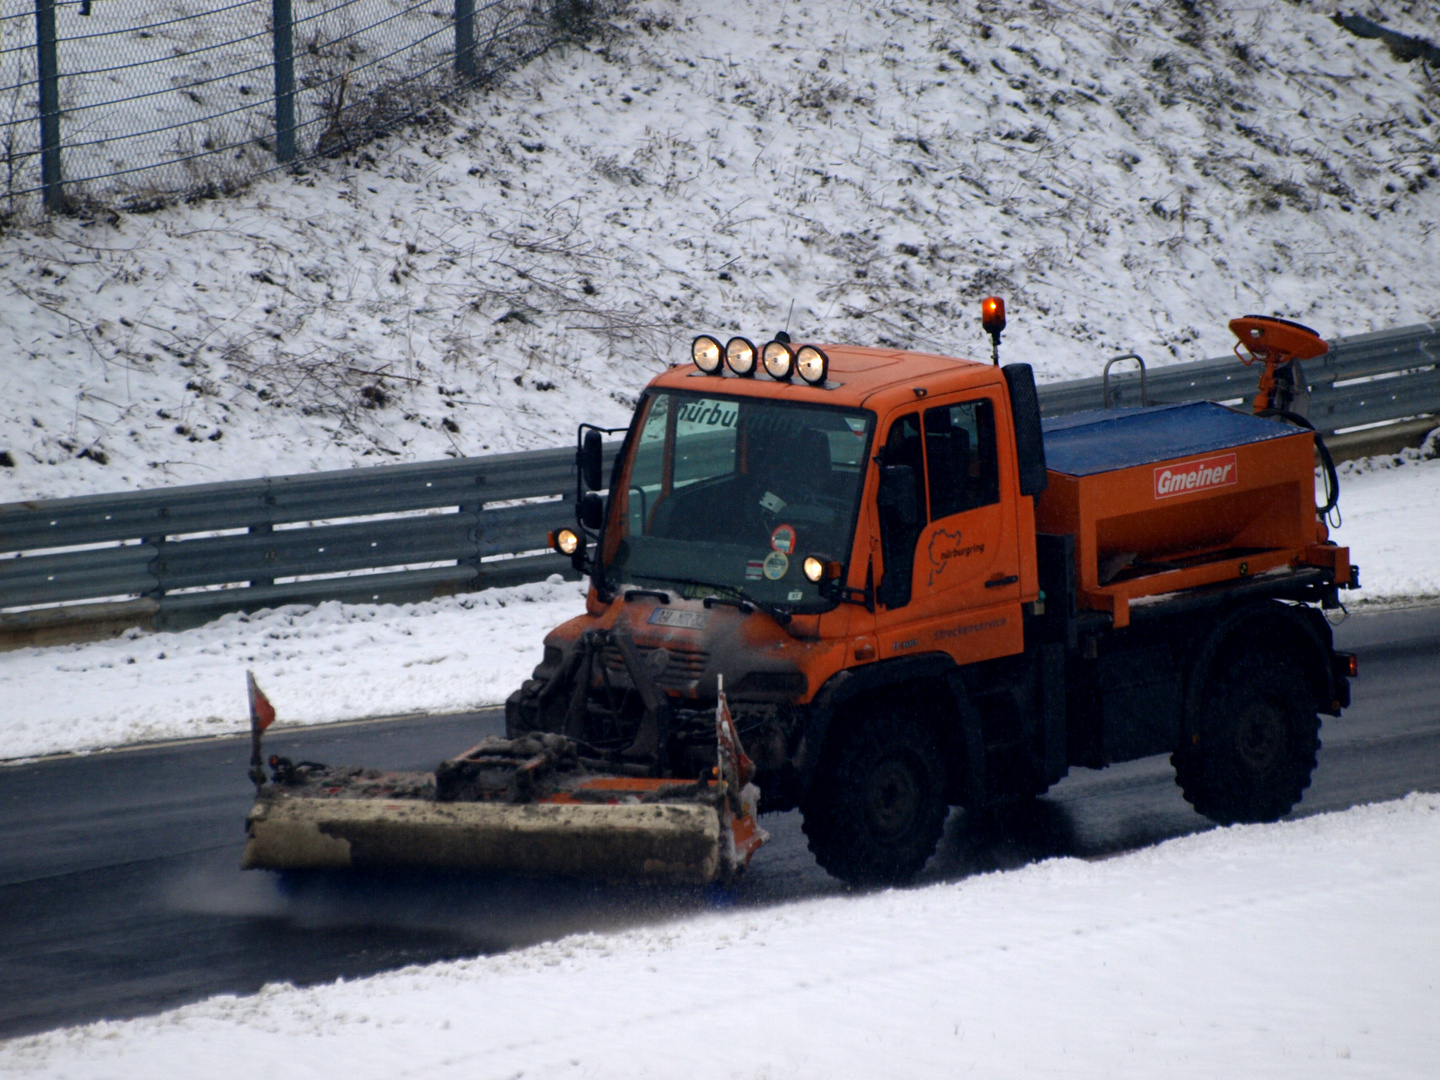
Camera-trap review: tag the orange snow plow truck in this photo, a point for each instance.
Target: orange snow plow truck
(871, 584)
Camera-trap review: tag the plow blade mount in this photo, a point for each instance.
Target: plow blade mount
(663, 841)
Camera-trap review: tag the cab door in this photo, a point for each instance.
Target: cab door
(964, 577)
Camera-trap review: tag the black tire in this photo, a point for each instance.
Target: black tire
(877, 807)
(1254, 752)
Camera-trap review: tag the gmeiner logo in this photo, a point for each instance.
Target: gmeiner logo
(1213, 472)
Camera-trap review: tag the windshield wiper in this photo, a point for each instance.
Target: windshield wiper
(738, 598)
(742, 600)
(748, 604)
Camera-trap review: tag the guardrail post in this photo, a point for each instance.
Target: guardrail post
(157, 564)
(465, 40)
(282, 34)
(262, 528)
(49, 73)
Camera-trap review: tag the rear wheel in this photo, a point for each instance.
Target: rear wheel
(1254, 752)
(877, 807)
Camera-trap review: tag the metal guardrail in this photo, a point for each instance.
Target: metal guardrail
(174, 557)
(1365, 379)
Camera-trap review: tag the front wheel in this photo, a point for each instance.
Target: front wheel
(1253, 754)
(877, 807)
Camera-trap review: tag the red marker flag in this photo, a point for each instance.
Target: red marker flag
(262, 715)
(739, 799)
(735, 768)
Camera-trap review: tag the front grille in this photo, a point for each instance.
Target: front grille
(682, 669)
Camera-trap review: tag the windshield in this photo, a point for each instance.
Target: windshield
(729, 495)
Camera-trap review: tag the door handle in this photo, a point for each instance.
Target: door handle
(995, 583)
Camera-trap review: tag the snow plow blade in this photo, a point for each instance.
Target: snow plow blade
(535, 805)
(665, 842)
(531, 806)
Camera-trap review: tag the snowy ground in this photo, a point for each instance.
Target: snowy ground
(1129, 173)
(340, 662)
(317, 664)
(1305, 949)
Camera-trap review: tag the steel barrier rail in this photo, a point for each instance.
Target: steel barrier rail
(176, 557)
(1336, 402)
(139, 552)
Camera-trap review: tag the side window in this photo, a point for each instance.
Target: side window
(897, 539)
(903, 448)
(960, 448)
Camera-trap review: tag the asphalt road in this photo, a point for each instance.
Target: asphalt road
(119, 893)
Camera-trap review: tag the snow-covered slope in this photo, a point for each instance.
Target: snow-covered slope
(1306, 949)
(1128, 174)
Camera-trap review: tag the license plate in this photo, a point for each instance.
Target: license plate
(692, 620)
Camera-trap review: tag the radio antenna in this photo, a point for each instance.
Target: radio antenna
(787, 318)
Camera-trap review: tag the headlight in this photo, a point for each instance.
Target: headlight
(565, 541)
(812, 364)
(707, 354)
(740, 356)
(817, 568)
(779, 360)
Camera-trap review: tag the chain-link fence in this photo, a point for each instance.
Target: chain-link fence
(132, 103)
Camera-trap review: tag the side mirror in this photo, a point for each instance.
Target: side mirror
(590, 460)
(591, 511)
(1029, 437)
(897, 494)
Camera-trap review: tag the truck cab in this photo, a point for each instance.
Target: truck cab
(900, 469)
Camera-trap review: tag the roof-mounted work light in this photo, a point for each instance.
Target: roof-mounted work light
(707, 354)
(740, 356)
(812, 364)
(779, 361)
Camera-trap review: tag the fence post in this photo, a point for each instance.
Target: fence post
(465, 40)
(49, 71)
(282, 34)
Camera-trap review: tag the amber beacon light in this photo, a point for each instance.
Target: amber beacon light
(992, 318)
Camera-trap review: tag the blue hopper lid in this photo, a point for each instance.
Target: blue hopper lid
(1082, 444)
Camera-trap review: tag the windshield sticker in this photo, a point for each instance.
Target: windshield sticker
(773, 502)
(776, 563)
(857, 425)
(754, 569)
(795, 594)
(708, 413)
(693, 620)
(783, 539)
